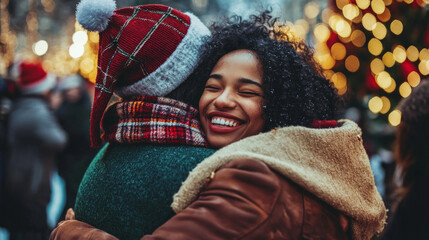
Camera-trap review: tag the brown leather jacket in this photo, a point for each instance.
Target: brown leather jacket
(245, 199)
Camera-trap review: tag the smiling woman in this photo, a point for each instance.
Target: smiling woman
(231, 104)
(285, 168)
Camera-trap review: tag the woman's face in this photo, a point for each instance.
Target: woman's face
(231, 104)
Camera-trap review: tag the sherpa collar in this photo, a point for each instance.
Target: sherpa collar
(331, 163)
(152, 119)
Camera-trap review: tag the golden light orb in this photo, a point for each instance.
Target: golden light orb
(405, 89)
(396, 27)
(379, 31)
(412, 53)
(388, 59)
(378, 6)
(343, 28)
(321, 32)
(358, 38)
(311, 10)
(391, 87)
(385, 16)
(375, 47)
(369, 21)
(339, 80)
(424, 67)
(363, 4)
(338, 51)
(399, 54)
(341, 3)
(352, 63)
(413, 79)
(386, 105)
(394, 117)
(350, 11)
(375, 104)
(383, 79)
(376, 66)
(424, 54)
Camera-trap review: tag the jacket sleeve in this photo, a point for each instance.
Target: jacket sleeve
(235, 203)
(76, 230)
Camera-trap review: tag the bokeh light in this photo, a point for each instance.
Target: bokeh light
(405, 89)
(378, 6)
(376, 66)
(338, 51)
(375, 104)
(412, 53)
(413, 79)
(375, 47)
(379, 30)
(311, 10)
(40, 47)
(80, 37)
(76, 50)
(369, 21)
(395, 118)
(386, 105)
(352, 63)
(363, 4)
(388, 59)
(399, 54)
(383, 79)
(396, 27)
(321, 32)
(358, 38)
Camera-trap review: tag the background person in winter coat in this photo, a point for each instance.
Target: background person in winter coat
(153, 134)
(293, 181)
(34, 138)
(409, 219)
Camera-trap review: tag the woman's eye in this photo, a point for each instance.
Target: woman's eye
(248, 93)
(211, 87)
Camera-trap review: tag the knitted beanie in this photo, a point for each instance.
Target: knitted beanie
(143, 50)
(415, 108)
(32, 78)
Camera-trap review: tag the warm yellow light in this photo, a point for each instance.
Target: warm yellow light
(326, 61)
(80, 37)
(391, 87)
(363, 4)
(383, 79)
(328, 74)
(342, 91)
(40, 47)
(369, 21)
(350, 11)
(412, 53)
(395, 117)
(405, 89)
(424, 54)
(321, 32)
(333, 20)
(339, 80)
(338, 51)
(385, 16)
(387, 2)
(358, 18)
(388, 59)
(375, 47)
(76, 51)
(379, 31)
(326, 15)
(311, 10)
(424, 67)
(408, 1)
(94, 37)
(413, 79)
(87, 66)
(358, 38)
(399, 54)
(352, 63)
(386, 105)
(378, 6)
(375, 104)
(343, 28)
(396, 27)
(376, 66)
(341, 3)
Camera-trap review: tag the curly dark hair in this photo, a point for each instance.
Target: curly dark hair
(295, 90)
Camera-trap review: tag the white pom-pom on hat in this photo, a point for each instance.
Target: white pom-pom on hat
(94, 15)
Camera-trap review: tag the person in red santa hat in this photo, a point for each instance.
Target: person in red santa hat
(34, 137)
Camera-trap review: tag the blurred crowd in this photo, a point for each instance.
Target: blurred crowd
(44, 128)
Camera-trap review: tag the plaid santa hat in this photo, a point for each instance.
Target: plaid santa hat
(143, 50)
(32, 78)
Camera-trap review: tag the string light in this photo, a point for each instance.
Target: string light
(396, 27)
(395, 118)
(375, 47)
(375, 104)
(412, 53)
(399, 54)
(388, 59)
(378, 6)
(405, 89)
(413, 79)
(376, 66)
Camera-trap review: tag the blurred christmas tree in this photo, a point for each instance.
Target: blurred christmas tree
(374, 52)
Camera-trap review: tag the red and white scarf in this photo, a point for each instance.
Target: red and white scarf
(152, 120)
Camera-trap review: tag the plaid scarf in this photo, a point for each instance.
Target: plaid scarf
(152, 120)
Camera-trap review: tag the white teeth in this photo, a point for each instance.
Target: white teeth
(224, 122)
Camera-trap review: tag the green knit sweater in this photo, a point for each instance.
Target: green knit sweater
(128, 188)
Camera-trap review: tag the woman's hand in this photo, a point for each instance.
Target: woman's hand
(73, 229)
